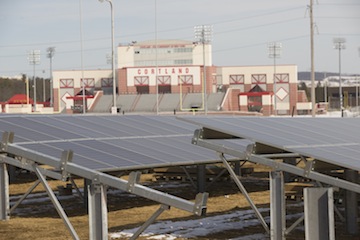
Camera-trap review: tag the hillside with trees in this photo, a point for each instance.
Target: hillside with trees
(11, 86)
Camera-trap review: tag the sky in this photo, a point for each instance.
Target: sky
(242, 31)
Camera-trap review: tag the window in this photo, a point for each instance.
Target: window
(164, 80)
(183, 62)
(282, 78)
(67, 83)
(182, 50)
(185, 79)
(258, 78)
(141, 80)
(106, 82)
(237, 79)
(88, 82)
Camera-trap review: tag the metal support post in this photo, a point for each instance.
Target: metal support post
(12, 173)
(98, 223)
(351, 204)
(25, 195)
(4, 193)
(87, 183)
(189, 177)
(277, 206)
(56, 203)
(294, 225)
(237, 168)
(150, 221)
(287, 176)
(201, 178)
(319, 214)
(243, 191)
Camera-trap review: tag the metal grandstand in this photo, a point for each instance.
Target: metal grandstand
(168, 102)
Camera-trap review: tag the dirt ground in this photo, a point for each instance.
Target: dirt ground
(39, 219)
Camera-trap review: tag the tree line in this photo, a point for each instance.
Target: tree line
(11, 86)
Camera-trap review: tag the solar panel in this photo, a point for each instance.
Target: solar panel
(110, 142)
(332, 140)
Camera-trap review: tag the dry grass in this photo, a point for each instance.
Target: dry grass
(41, 220)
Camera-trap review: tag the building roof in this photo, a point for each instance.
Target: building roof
(19, 99)
(163, 42)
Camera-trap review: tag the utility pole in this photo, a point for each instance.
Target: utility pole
(34, 59)
(204, 33)
(312, 59)
(50, 55)
(339, 44)
(274, 52)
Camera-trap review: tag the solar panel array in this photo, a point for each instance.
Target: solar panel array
(109, 142)
(332, 140)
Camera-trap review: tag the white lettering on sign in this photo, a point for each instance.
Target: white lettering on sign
(148, 71)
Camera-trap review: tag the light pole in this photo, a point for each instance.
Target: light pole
(312, 60)
(274, 52)
(339, 44)
(114, 108)
(357, 89)
(34, 59)
(50, 55)
(204, 33)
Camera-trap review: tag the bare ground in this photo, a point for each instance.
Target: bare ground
(39, 219)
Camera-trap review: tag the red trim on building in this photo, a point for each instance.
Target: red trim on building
(78, 97)
(255, 94)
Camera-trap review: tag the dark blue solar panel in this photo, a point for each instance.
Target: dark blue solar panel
(109, 142)
(334, 140)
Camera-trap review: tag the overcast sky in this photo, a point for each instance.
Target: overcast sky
(241, 31)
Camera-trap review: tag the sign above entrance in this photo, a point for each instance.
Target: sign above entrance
(163, 71)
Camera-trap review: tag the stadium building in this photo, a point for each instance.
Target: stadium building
(169, 75)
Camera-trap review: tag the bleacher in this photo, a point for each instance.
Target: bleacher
(125, 102)
(214, 101)
(192, 101)
(145, 103)
(104, 104)
(167, 102)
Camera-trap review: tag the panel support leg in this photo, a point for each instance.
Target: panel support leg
(4, 193)
(319, 214)
(98, 222)
(56, 203)
(24, 196)
(287, 176)
(87, 184)
(201, 179)
(351, 208)
(243, 191)
(150, 221)
(237, 168)
(277, 206)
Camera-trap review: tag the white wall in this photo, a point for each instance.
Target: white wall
(97, 75)
(247, 71)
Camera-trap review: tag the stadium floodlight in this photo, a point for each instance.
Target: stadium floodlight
(203, 33)
(50, 54)
(34, 59)
(114, 108)
(274, 51)
(357, 87)
(339, 44)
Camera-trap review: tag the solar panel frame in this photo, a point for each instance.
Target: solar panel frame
(320, 138)
(110, 142)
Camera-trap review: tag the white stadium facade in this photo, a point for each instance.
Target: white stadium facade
(171, 74)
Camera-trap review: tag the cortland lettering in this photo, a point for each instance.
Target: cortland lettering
(147, 71)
